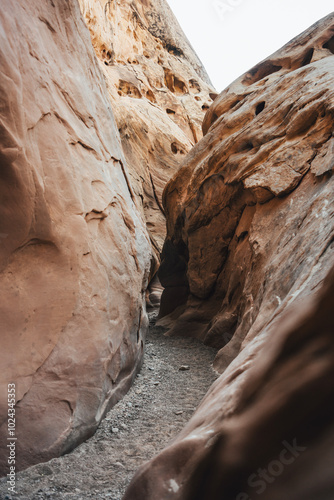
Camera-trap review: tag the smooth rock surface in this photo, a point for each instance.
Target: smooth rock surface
(159, 93)
(248, 267)
(74, 254)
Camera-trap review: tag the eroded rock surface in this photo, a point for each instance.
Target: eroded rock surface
(247, 268)
(159, 92)
(250, 218)
(75, 255)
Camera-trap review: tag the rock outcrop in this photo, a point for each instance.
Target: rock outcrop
(247, 268)
(159, 93)
(249, 214)
(75, 254)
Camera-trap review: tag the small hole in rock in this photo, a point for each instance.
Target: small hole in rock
(174, 148)
(170, 111)
(150, 96)
(308, 57)
(329, 45)
(260, 107)
(205, 107)
(245, 146)
(194, 86)
(242, 236)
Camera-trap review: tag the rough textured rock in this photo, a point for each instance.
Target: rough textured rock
(250, 222)
(75, 255)
(247, 268)
(159, 92)
(265, 429)
(279, 442)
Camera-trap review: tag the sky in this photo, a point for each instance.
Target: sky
(231, 36)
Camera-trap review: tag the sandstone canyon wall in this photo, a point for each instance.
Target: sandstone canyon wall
(247, 266)
(75, 254)
(249, 213)
(159, 93)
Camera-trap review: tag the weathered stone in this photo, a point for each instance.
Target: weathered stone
(250, 237)
(249, 213)
(74, 252)
(270, 415)
(159, 92)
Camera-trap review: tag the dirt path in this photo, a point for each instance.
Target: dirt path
(161, 401)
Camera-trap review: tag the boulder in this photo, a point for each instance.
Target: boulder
(74, 251)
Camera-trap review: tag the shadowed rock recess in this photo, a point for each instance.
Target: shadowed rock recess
(247, 268)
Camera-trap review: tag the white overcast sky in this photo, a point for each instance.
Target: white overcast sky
(231, 36)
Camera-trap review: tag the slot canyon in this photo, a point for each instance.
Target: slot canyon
(166, 260)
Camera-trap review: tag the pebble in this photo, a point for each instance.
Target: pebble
(178, 412)
(114, 430)
(156, 383)
(184, 368)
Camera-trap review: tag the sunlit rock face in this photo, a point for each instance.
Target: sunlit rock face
(74, 251)
(159, 92)
(247, 267)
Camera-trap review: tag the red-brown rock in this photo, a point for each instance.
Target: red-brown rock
(74, 254)
(248, 267)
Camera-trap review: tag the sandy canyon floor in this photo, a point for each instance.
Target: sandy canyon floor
(175, 376)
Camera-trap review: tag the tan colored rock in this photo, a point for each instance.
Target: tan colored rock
(75, 255)
(159, 92)
(248, 267)
(249, 214)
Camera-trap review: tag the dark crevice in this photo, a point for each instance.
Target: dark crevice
(156, 196)
(308, 58)
(259, 72)
(329, 45)
(260, 107)
(245, 146)
(172, 49)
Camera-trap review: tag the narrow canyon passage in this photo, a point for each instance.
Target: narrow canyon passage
(175, 376)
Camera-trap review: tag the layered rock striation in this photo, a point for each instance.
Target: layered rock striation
(249, 213)
(74, 251)
(248, 268)
(159, 92)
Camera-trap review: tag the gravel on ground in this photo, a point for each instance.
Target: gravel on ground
(176, 374)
